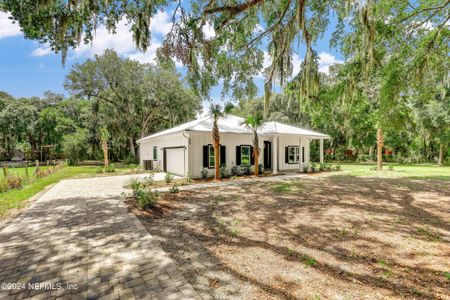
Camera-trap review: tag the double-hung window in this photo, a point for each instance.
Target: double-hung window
(211, 156)
(293, 154)
(155, 153)
(245, 155)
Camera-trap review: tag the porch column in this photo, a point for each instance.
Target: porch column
(275, 155)
(300, 162)
(321, 151)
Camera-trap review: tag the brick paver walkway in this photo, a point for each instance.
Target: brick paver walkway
(79, 241)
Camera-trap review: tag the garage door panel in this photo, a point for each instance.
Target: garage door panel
(175, 161)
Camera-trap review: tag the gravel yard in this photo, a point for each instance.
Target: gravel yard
(338, 237)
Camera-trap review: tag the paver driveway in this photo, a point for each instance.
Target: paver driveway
(79, 241)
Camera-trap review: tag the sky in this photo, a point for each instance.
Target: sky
(29, 69)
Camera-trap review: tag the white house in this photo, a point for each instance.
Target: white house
(187, 149)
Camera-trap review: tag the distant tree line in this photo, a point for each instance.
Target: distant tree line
(127, 98)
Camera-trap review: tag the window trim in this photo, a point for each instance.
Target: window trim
(249, 155)
(209, 157)
(296, 155)
(155, 152)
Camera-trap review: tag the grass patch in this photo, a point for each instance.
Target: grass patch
(17, 198)
(412, 171)
(285, 187)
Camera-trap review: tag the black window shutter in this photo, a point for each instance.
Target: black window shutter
(303, 154)
(223, 157)
(205, 156)
(238, 155)
(252, 155)
(286, 159)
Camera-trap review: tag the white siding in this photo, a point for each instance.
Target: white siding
(173, 140)
(291, 140)
(229, 140)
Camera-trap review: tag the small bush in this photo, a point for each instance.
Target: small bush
(245, 170)
(322, 167)
(168, 178)
(223, 171)
(13, 182)
(306, 168)
(148, 180)
(110, 168)
(338, 167)
(260, 168)
(204, 173)
(146, 198)
(188, 179)
(236, 171)
(135, 185)
(174, 189)
(99, 170)
(313, 167)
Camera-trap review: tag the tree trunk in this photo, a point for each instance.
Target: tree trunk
(216, 160)
(256, 153)
(370, 153)
(132, 148)
(380, 141)
(105, 153)
(441, 154)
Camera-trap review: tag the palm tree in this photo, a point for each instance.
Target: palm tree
(216, 112)
(254, 122)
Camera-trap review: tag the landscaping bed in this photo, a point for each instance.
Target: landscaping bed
(321, 237)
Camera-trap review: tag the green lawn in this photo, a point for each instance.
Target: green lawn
(417, 171)
(21, 171)
(17, 198)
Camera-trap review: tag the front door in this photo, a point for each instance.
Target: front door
(267, 155)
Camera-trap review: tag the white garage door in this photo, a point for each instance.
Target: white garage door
(175, 161)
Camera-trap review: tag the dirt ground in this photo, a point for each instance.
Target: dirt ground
(332, 237)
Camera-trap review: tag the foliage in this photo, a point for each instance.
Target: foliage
(75, 146)
(110, 168)
(146, 198)
(223, 171)
(204, 173)
(168, 177)
(174, 189)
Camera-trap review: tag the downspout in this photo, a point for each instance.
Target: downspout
(186, 149)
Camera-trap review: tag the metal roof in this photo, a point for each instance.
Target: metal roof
(235, 124)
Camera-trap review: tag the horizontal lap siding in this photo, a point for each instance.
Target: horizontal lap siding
(229, 140)
(285, 141)
(173, 140)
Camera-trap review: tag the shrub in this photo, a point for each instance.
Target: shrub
(260, 168)
(130, 160)
(168, 178)
(322, 167)
(110, 168)
(204, 173)
(236, 171)
(306, 168)
(174, 189)
(188, 178)
(313, 167)
(13, 181)
(99, 170)
(135, 185)
(338, 167)
(146, 198)
(245, 170)
(148, 180)
(223, 171)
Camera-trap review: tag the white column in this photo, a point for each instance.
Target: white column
(300, 163)
(321, 151)
(275, 155)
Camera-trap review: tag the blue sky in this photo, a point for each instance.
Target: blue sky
(28, 69)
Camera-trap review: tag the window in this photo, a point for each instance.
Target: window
(155, 153)
(211, 157)
(245, 156)
(293, 154)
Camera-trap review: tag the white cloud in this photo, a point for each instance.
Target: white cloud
(296, 62)
(326, 60)
(208, 31)
(7, 27)
(161, 23)
(41, 51)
